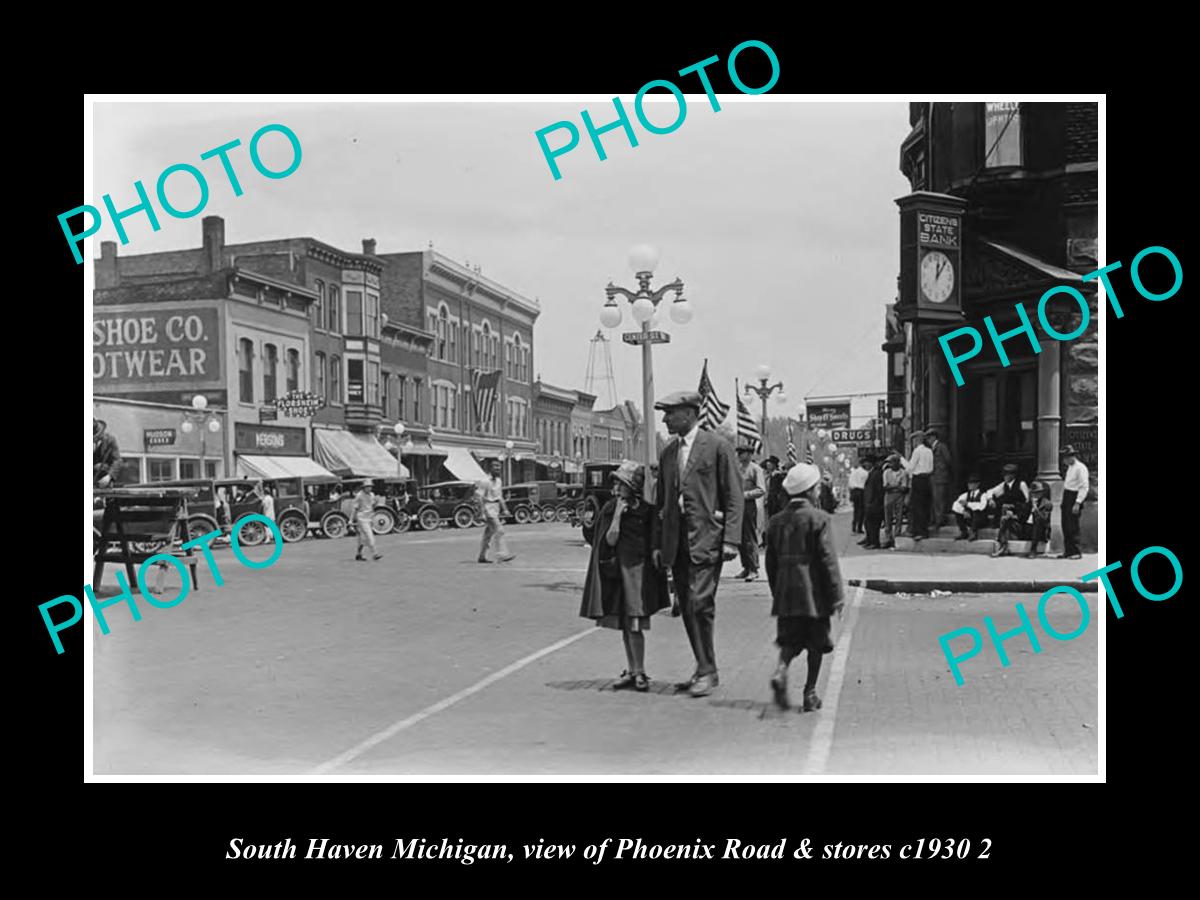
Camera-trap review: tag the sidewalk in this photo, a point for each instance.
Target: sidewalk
(910, 572)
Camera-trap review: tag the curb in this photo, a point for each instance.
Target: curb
(889, 586)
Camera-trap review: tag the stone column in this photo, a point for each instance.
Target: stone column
(1049, 426)
(937, 388)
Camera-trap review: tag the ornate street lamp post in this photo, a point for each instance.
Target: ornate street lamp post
(642, 260)
(764, 390)
(202, 420)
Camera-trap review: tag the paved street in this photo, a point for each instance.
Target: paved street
(427, 662)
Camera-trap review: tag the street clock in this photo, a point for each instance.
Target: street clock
(931, 238)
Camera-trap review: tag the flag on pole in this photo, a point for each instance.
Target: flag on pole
(791, 446)
(712, 410)
(747, 431)
(484, 390)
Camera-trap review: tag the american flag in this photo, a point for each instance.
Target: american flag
(713, 411)
(808, 455)
(485, 388)
(791, 447)
(747, 432)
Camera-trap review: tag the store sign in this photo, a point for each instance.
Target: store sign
(646, 337)
(267, 414)
(1085, 439)
(852, 435)
(828, 415)
(268, 439)
(158, 437)
(934, 230)
(154, 348)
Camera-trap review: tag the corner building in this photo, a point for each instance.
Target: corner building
(1009, 191)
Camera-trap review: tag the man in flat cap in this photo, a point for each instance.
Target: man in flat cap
(106, 455)
(920, 499)
(1075, 491)
(699, 524)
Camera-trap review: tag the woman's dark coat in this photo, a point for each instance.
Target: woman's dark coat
(802, 567)
(637, 580)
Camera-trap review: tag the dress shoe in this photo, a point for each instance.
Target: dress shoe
(998, 553)
(863, 542)
(753, 576)
(641, 683)
(1073, 556)
(741, 574)
(811, 701)
(510, 556)
(483, 560)
(702, 686)
(624, 681)
(377, 556)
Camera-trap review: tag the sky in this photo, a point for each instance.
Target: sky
(778, 216)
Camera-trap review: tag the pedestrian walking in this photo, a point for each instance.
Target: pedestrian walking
(856, 482)
(698, 526)
(106, 456)
(754, 489)
(895, 489)
(267, 498)
(776, 499)
(970, 510)
(1075, 490)
(872, 503)
(364, 506)
(806, 583)
(1011, 500)
(622, 588)
(1041, 508)
(489, 496)
(920, 471)
(942, 477)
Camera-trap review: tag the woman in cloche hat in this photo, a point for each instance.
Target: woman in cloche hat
(622, 588)
(806, 581)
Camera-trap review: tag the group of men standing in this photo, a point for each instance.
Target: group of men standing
(885, 485)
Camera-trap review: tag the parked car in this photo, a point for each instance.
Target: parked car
(570, 503)
(206, 510)
(447, 501)
(386, 513)
(597, 490)
(396, 494)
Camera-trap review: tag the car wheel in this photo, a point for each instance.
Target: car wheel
(382, 520)
(563, 514)
(403, 522)
(293, 528)
(535, 514)
(198, 526)
(335, 525)
(251, 533)
(521, 515)
(429, 519)
(464, 517)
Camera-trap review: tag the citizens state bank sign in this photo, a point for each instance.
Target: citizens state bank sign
(155, 347)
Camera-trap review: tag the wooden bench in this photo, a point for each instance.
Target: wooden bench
(142, 516)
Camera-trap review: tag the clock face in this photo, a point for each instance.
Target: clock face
(937, 276)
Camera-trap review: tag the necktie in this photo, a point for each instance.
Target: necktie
(683, 458)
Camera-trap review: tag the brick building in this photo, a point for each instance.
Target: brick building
(477, 326)
(1006, 194)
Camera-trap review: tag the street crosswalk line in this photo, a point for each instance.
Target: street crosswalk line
(394, 729)
(822, 739)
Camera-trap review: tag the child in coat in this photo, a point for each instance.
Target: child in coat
(806, 582)
(1039, 516)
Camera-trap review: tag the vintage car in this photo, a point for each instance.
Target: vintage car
(395, 494)
(447, 501)
(570, 503)
(597, 490)
(534, 501)
(391, 497)
(207, 510)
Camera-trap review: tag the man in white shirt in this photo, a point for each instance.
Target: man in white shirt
(856, 482)
(1075, 490)
(920, 500)
(490, 497)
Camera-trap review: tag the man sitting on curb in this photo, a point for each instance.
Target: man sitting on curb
(1011, 498)
(970, 510)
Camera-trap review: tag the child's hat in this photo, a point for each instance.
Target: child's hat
(631, 474)
(801, 477)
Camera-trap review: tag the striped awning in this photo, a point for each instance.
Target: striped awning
(350, 453)
(279, 467)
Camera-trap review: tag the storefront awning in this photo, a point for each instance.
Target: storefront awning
(345, 452)
(422, 449)
(461, 464)
(279, 467)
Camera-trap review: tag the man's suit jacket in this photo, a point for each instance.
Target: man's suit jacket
(942, 464)
(712, 484)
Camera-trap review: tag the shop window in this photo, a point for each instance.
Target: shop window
(270, 361)
(354, 381)
(335, 309)
(335, 380)
(354, 312)
(160, 469)
(293, 370)
(1002, 134)
(210, 468)
(189, 468)
(246, 370)
(319, 371)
